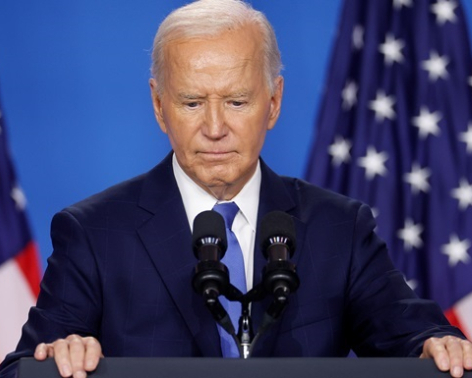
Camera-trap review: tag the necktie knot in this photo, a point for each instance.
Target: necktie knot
(228, 210)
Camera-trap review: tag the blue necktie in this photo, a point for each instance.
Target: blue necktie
(234, 260)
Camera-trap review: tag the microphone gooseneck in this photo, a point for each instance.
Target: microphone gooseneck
(211, 278)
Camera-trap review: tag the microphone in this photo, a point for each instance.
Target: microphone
(211, 276)
(209, 236)
(278, 239)
(209, 246)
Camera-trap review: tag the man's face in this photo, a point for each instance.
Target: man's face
(216, 107)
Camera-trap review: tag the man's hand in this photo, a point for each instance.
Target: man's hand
(449, 353)
(74, 355)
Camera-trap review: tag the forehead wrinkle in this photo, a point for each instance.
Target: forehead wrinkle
(221, 74)
(226, 63)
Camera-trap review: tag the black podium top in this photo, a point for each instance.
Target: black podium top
(256, 367)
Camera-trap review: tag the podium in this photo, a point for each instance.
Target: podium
(250, 368)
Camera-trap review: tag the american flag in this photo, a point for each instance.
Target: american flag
(19, 265)
(395, 131)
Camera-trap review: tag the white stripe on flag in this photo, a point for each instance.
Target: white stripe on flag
(16, 299)
(463, 311)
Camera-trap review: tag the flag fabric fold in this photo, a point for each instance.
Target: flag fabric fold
(395, 131)
(19, 263)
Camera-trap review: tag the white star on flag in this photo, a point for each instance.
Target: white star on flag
(463, 194)
(349, 95)
(358, 37)
(444, 11)
(383, 106)
(373, 162)
(436, 66)
(427, 122)
(339, 150)
(410, 234)
(391, 49)
(466, 137)
(375, 212)
(410, 130)
(413, 284)
(19, 198)
(456, 250)
(398, 4)
(418, 178)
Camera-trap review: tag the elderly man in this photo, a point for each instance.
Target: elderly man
(118, 281)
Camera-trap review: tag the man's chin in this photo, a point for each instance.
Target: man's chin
(223, 181)
(222, 188)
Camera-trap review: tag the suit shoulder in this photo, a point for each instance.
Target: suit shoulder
(124, 191)
(315, 192)
(312, 198)
(124, 195)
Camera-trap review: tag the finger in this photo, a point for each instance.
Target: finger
(456, 358)
(41, 352)
(62, 357)
(467, 352)
(435, 348)
(93, 352)
(77, 355)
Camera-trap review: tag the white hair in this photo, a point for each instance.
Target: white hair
(204, 18)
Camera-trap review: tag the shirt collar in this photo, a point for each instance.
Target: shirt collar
(196, 199)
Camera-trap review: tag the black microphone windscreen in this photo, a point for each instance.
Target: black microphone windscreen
(209, 224)
(277, 223)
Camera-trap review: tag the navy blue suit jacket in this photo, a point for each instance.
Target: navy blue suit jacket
(122, 266)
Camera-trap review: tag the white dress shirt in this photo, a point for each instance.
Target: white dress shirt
(196, 200)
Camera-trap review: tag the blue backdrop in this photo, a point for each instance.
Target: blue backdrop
(74, 89)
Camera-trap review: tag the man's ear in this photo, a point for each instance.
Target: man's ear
(276, 102)
(157, 104)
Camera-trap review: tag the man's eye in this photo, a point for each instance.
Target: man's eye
(237, 103)
(191, 104)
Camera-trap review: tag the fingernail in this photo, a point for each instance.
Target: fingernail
(444, 365)
(90, 364)
(66, 372)
(457, 372)
(80, 374)
(40, 350)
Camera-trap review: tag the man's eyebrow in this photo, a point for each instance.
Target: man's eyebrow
(195, 96)
(239, 94)
(190, 96)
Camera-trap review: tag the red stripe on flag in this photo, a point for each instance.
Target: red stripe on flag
(453, 319)
(28, 262)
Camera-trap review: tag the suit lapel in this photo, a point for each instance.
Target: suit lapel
(274, 196)
(167, 238)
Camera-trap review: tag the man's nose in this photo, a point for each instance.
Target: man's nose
(215, 126)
